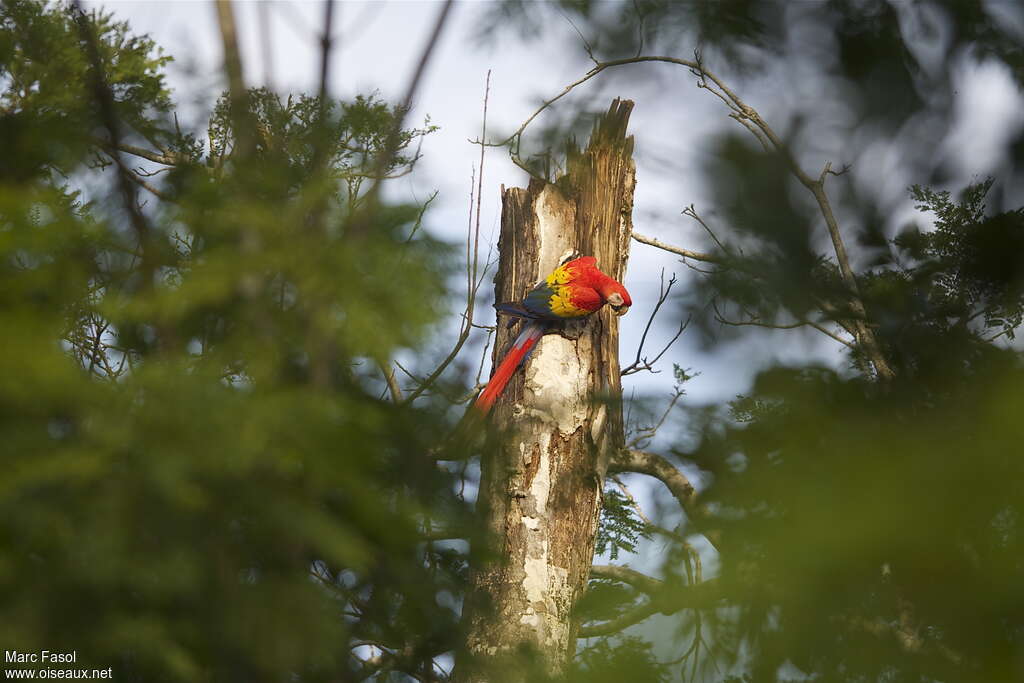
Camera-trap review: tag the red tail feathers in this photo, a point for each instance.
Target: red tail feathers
(527, 339)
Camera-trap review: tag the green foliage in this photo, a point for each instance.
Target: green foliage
(604, 601)
(620, 527)
(295, 131)
(972, 259)
(852, 515)
(47, 103)
(201, 479)
(622, 29)
(628, 659)
(848, 512)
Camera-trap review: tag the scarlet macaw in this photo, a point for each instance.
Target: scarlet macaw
(574, 290)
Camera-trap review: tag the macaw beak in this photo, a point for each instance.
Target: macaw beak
(621, 309)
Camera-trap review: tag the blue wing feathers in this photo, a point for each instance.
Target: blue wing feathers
(533, 307)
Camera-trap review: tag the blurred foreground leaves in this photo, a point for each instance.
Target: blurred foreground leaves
(201, 479)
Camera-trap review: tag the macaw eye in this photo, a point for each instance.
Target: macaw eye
(615, 300)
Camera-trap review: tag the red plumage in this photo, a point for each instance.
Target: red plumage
(574, 290)
(521, 348)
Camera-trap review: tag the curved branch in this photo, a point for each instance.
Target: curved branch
(644, 364)
(666, 601)
(638, 580)
(774, 326)
(623, 621)
(651, 464)
(685, 253)
(751, 119)
(389, 378)
(654, 465)
(164, 157)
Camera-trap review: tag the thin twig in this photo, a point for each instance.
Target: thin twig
(266, 40)
(638, 365)
(649, 433)
(775, 326)
(326, 42)
(389, 378)
(680, 251)
(394, 138)
(691, 211)
(152, 189)
(474, 279)
(632, 500)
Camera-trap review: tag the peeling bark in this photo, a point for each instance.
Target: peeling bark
(558, 422)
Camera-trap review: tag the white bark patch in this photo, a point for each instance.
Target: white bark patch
(545, 586)
(540, 487)
(597, 426)
(558, 381)
(555, 224)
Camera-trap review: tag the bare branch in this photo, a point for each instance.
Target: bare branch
(394, 138)
(474, 279)
(664, 601)
(638, 365)
(691, 211)
(163, 156)
(483, 355)
(685, 253)
(774, 326)
(134, 177)
(634, 616)
(745, 122)
(638, 580)
(389, 377)
(651, 464)
(632, 501)
(646, 364)
(827, 171)
(586, 44)
(648, 434)
(517, 135)
(326, 42)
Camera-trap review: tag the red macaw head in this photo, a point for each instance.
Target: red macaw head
(616, 296)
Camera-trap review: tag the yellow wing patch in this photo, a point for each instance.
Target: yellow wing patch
(561, 303)
(560, 276)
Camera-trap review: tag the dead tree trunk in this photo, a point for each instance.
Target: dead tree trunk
(558, 421)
